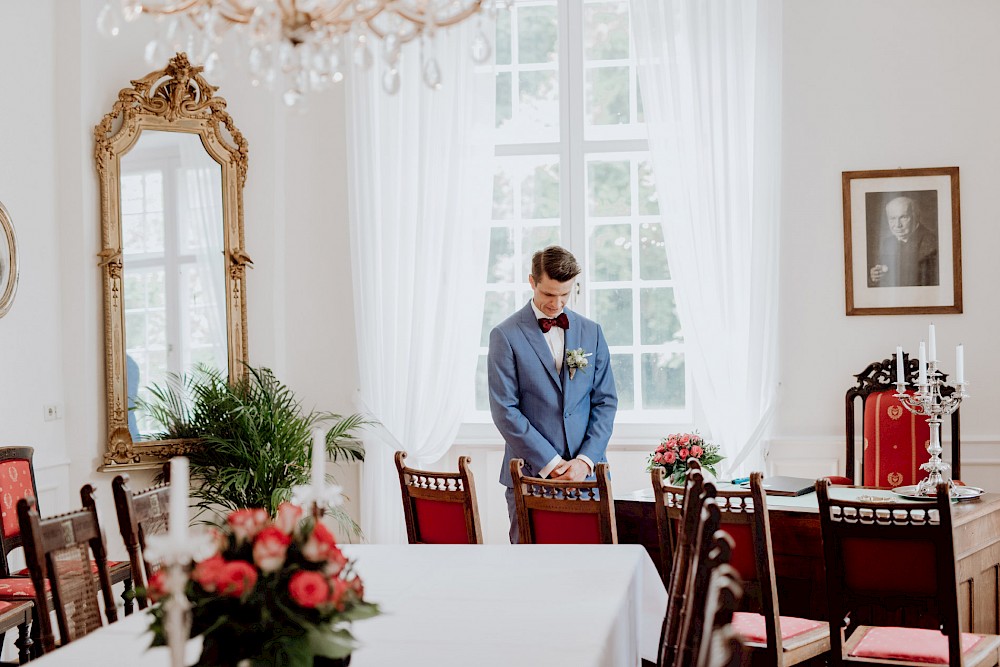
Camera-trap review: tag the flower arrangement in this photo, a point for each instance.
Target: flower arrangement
(276, 592)
(673, 452)
(576, 359)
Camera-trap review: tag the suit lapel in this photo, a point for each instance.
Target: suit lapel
(572, 342)
(529, 325)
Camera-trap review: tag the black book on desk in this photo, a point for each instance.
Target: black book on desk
(787, 486)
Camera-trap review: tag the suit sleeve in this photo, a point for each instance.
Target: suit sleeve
(505, 405)
(603, 404)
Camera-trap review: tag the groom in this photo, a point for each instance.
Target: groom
(558, 421)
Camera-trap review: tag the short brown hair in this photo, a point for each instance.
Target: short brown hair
(555, 262)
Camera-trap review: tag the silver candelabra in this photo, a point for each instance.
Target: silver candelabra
(929, 402)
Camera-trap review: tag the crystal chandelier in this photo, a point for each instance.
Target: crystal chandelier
(303, 44)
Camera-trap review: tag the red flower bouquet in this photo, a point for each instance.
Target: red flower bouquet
(673, 453)
(276, 593)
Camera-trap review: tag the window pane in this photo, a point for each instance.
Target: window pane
(612, 308)
(537, 34)
(648, 202)
(503, 38)
(501, 267)
(497, 307)
(605, 30)
(503, 196)
(608, 188)
(659, 316)
(607, 96)
(662, 381)
(611, 252)
(540, 192)
(505, 96)
(652, 252)
(536, 238)
(640, 114)
(482, 384)
(538, 103)
(622, 367)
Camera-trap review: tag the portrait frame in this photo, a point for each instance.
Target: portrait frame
(902, 241)
(8, 261)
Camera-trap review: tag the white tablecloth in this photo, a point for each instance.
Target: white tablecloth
(469, 605)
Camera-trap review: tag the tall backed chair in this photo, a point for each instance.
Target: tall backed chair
(562, 512)
(140, 514)
(722, 646)
(885, 555)
(895, 440)
(56, 550)
(440, 507)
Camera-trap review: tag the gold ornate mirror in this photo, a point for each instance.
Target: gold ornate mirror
(172, 167)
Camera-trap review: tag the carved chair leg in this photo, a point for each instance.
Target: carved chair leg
(23, 644)
(128, 595)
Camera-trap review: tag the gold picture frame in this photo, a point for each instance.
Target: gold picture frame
(902, 241)
(8, 262)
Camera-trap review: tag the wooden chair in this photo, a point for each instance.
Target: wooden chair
(722, 647)
(440, 507)
(894, 439)
(140, 514)
(563, 512)
(882, 555)
(56, 550)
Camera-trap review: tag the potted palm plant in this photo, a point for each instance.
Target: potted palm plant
(256, 438)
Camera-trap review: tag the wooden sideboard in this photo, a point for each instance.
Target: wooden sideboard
(798, 554)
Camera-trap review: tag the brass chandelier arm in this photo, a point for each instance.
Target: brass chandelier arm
(420, 17)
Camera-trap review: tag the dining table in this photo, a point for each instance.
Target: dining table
(484, 605)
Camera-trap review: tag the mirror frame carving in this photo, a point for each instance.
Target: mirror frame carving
(174, 99)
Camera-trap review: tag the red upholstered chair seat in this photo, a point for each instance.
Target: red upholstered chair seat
(440, 522)
(914, 644)
(751, 626)
(18, 587)
(566, 528)
(895, 442)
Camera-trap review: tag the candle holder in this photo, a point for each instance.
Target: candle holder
(930, 402)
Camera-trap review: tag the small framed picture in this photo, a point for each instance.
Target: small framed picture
(902, 241)
(8, 262)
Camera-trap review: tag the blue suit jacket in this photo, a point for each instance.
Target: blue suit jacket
(539, 413)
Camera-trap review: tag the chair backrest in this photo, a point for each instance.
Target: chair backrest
(564, 512)
(56, 549)
(17, 481)
(140, 514)
(440, 507)
(889, 556)
(894, 439)
(722, 646)
(678, 522)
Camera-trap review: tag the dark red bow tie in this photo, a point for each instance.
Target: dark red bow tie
(547, 323)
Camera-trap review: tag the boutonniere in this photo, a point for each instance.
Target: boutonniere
(576, 359)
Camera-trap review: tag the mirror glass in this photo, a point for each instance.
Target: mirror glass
(172, 260)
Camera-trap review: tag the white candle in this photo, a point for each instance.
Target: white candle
(900, 377)
(960, 364)
(179, 487)
(923, 364)
(318, 461)
(931, 344)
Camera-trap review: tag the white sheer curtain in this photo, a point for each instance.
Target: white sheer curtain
(420, 165)
(710, 73)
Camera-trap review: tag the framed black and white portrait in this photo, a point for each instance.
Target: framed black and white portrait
(902, 241)
(8, 262)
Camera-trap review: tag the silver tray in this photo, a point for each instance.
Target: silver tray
(957, 493)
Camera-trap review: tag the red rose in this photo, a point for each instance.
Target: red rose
(357, 587)
(247, 523)
(236, 578)
(207, 572)
(156, 587)
(661, 449)
(658, 458)
(288, 516)
(685, 438)
(683, 453)
(697, 451)
(669, 458)
(341, 589)
(269, 549)
(320, 545)
(308, 589)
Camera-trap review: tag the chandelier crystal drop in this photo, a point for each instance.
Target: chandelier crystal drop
(304, 44)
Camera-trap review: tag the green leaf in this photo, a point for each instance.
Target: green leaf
(331, 643)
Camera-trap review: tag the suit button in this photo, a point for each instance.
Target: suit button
(567, 415)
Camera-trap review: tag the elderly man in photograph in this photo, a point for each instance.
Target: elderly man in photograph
(908, 255)
(551, 410)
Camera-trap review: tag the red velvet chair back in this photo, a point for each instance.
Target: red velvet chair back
(17, 481)
(894, 440)
(439, 507)
(561, 512)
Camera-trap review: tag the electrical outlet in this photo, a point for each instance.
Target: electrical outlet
(52, 412)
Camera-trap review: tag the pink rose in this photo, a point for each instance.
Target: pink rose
(661, 449)
(206, 573)
(308, 589)
(247, 523)
(697, 451)
(341, 589)
(236, 578)
(269, 549)
(669, 458)
(321, 545)
(288, 516)
(658, 458)
(685, 439)
(683, 453)
(156, 587)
